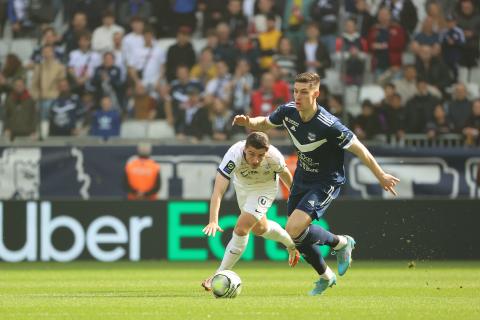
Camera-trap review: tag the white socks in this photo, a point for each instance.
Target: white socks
(233, 251)
(341, 243)
(328, 274)
(277, 233)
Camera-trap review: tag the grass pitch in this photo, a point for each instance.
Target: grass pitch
(164, 290)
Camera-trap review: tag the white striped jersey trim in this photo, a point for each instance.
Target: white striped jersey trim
(325, 120)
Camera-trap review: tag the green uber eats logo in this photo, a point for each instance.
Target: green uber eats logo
(177, 231)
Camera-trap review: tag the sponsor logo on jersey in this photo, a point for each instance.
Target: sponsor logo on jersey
(295, 123)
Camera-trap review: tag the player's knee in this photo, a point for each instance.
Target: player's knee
(239, 231)
(259, 229)
(293, 231)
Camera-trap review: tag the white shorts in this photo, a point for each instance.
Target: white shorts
(256, 202)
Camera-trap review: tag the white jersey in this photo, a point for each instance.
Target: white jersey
(246, 178)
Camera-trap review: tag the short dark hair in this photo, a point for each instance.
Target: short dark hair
(257, 140)
(311, 78)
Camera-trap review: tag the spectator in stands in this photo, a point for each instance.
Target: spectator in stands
(335, 107)
(119, 55)
(268, 43)
(221, 119)
(459, 107)
(82, 63)
(142, 175)
(472, 127)
(313, 55)
(286, 60)
(20, 115)
(72, 36)
(439, 124)
(241, 87)
(107, 81)
(432, 69)
(193, 121)
(220, 86)
(178, 92)
(326, 13)
(452, 41)
(146, 63)
(426, 37)
(134, 8)
(184, 14)
(180, 53)
(133, 39)
(259, 22)
(236, 20)
(265, 100)
(45, 79)
(144, 106)
(406, 86)
(363, 17)
(246, 49)
(226, 48)
(12, 70)
(386, 41)
(419, 109)
(17, 12)
(469, 21)
(367, 125)
(436, 13)
(280, 86)
(94, 9)
(213, 11)
(205, 69)
(323, 95)
(49, 38)
(3, 14)
(64, 112)
(352, 53)
(395, 117)
(296, 15)
(102, 38)
(106, 121)
(403, 12)
(164, 104)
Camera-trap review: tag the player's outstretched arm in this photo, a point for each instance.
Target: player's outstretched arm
(387, 181)
(257, 123)
(221, 185)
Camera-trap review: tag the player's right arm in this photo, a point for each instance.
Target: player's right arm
(221, 185)
(257, 123)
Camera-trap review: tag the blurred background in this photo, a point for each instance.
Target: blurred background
(92, 90)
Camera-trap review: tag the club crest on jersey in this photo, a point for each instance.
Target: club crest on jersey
(263, 201)
(311, 136)
(229, 167)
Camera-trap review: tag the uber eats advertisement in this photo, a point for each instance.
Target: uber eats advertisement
(111, 231)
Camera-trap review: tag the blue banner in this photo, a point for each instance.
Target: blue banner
(188, 172)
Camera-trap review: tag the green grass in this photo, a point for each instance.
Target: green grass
(162, 290)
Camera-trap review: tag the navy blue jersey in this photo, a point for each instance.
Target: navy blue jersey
(320, 145)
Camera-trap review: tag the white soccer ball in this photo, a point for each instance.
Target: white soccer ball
(226, 284)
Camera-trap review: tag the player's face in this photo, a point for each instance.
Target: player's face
(304, 95)
(254, 156)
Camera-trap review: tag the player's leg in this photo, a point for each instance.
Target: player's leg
(236, 246)
(271, 230)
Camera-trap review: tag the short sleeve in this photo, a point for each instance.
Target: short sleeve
(340, 135)
(276, 118)
(229, 162)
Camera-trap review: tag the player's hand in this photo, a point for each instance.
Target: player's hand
(388, 183)
(241, 120)
(211, 229)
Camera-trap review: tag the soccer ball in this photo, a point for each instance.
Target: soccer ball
(226, 284)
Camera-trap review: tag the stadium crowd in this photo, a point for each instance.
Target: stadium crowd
(106, 65)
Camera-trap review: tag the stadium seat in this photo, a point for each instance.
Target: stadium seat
(333, 81)
(23, 48)
(351, 100)
(133, 129)
(160, 129)
(473, 90)
(371, 92)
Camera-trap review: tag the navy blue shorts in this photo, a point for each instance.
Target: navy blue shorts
(313, 201)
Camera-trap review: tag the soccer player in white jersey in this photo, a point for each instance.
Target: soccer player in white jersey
(320, 139)
(255, 167)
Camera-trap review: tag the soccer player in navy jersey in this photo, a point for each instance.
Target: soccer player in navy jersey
(320, 140)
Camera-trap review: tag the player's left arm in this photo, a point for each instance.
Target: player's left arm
(386, 180)
(286, 177)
